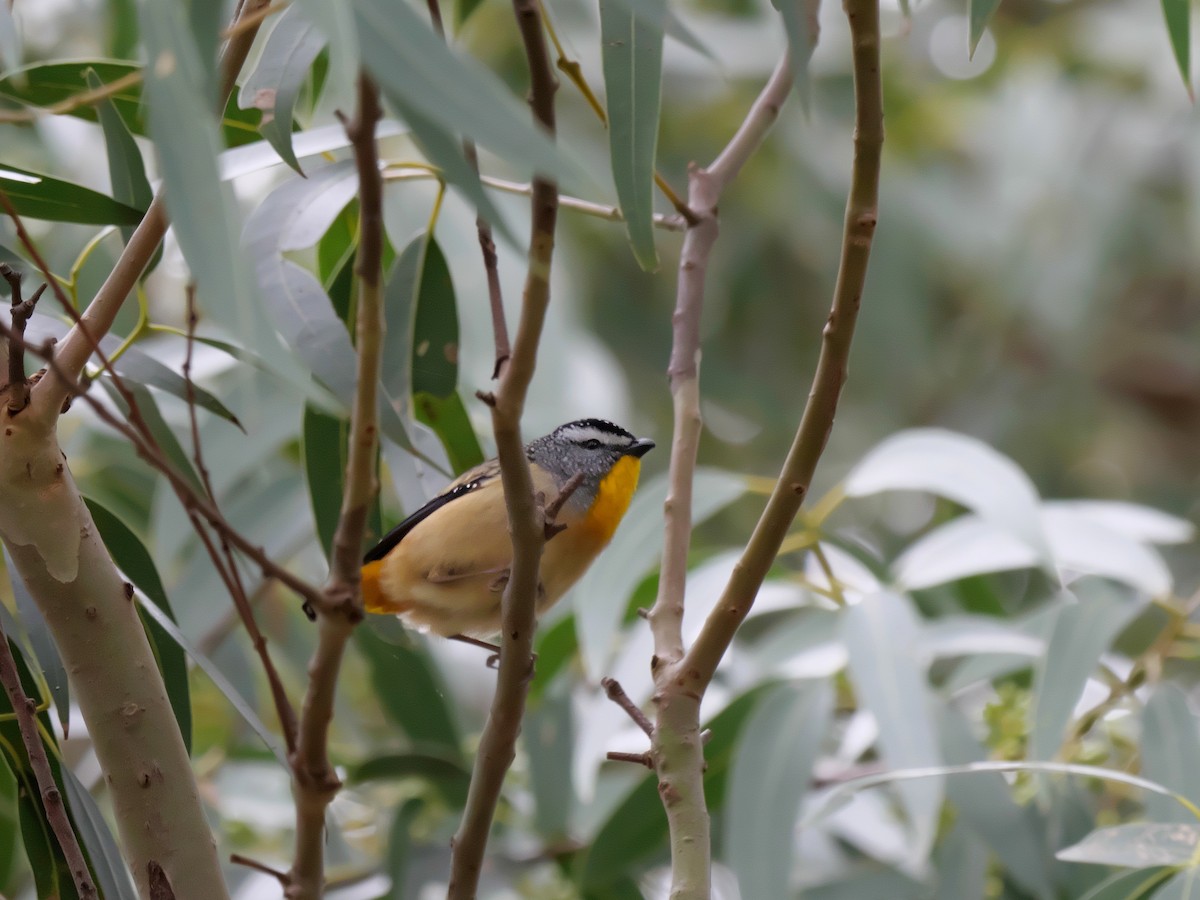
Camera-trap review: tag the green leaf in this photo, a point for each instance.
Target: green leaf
(1136, 885)
(400, 847)
(10, 824)
(637, 828)
(126, 170)
(132, 558)
(964, 546)
(47, 84)
(463, 10)
(435, 328)
(457, 92)
(37, 196)
(771, 768)
(145, 369)
(981, 12)
(1178, 16)
(1137, 846)
(880, 633)
(324, 438)
(336, 22)
(397, 657)
(112, 875)
(1170, 748)
(122, 28)
(603, 593)
(45, 651)
(214, 673)
(632, 55)
(555, 645)
(1083, 630)
(962, 866)
(449, 419)
(450, 776)
(276, 81)
(961, 469)
(1184, 886)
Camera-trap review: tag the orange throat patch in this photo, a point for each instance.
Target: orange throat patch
(612, 499)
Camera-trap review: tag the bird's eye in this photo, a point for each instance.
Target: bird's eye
(591, 444)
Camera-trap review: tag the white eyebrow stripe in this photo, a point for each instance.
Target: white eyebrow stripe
(577, 434)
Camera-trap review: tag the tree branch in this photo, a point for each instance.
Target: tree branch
(18, 386)
(526, 520)
(314, 781)
(817, 419)
(52, 801)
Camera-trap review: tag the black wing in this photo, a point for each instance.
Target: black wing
(464, 486)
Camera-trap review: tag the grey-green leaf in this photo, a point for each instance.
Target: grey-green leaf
(126, 170)
(1136, 885)
(771, 769)
(112, 875)
(276, 81)
(459, 93)
(632, 52)
(1136, 846)
(1083, 630)
(42, 644)
(1170, 750)
(1184, 886)
(880, 633)
(801, 22)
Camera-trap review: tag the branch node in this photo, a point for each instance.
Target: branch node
(487, 398)
(616, 693)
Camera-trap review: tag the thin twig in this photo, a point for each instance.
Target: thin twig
(640, 759)
(526, 521)
(314, 781)
(238, 860)
(18, 387)
(226, 565)
(672, 222)
(52, 799)
(616, 693)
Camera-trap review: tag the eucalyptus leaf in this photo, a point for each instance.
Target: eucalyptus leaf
(960, 548)
(1137, 846)
(42, 643)
(880, 633)
(1136, 885)
(961, 469)
(1082, 632)
(632, 55)
(126, 170)
(771, 769)
(980, 13)
(1170, 747)
(1185, 885)
(1178, 16)
(37, 196)
(275, 84)
(112, 875)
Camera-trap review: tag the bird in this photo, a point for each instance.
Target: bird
(443, 569)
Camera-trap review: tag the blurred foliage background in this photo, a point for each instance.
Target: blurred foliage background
(1034, 285)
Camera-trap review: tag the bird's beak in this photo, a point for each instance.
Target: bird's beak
(640, 447)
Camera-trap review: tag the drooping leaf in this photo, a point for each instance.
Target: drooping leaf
(800, 21)
(397, 657)
(412, 62)
(145, 369)
(1083, 545)
(1184, 885)
(324, 438)
(771, 770)
(1178, 16)
(1140, 523)
(632, 55)
(132, 558)
(202, 209)
(45, 651)
(126, 170)
(1170, 747)
(50, 83)
(1137, 846)
(659, 16)
(159, 430)
(962, 866)
(336, 22)
(960, 468)
(880, 633)
(37, 196)
(112, 875)
(548, 735)
(10, 40)
(981, 12)
(603, 593)
(215, 675)
(1083, 630)
(277, 79)
(962, 547)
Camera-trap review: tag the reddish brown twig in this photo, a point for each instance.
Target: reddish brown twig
(52, 799)
(18, 387)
